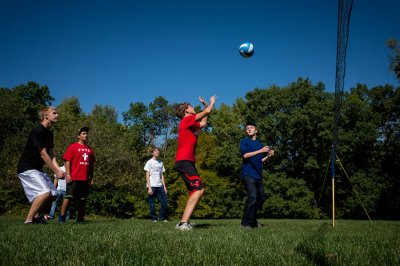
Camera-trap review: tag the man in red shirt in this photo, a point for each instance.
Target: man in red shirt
(188, 132)
(79, 161)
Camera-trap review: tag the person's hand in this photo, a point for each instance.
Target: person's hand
(60, 174)
(212, 99)
(203, 102)
(271, 153)
(265, 149)
(69, 178)
(149, 191)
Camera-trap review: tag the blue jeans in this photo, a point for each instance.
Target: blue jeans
(58, 200)
(254, 202)
(158, 192)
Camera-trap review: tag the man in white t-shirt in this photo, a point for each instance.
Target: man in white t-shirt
(156, 186)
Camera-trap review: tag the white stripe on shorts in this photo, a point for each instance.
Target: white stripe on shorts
(36, 183)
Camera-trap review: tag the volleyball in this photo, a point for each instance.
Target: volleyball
(246, 49)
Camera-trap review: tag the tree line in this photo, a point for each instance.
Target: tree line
(296, 120)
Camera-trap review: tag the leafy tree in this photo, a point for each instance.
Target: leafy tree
(395, 57)
(289, 198)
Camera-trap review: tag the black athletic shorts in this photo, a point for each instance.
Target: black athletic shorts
(189, 174)
(77, 190)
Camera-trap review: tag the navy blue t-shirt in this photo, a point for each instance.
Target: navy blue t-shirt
(251, 166)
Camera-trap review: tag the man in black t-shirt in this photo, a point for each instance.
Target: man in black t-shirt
(39, 150)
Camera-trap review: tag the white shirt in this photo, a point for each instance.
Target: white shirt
(62, 183)
(155, 169)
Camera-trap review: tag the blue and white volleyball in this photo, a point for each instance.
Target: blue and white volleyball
(246, 49)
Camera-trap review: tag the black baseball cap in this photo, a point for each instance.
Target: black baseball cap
(83, 129)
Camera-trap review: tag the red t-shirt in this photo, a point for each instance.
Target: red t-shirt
(81, 158)
(188, 132)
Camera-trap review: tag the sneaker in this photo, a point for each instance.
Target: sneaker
(47, 217)
(184, 226)
(245, 226)
(38, 220)
(61, 219)
(154, 221)
(165, 221)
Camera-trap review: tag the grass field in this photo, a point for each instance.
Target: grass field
(212, 242)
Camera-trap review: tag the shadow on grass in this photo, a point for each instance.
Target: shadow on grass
(202, 225)
(313, 248)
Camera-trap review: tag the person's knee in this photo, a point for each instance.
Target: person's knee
(251, 199)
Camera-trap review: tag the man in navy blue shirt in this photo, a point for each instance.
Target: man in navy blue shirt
(254, 154)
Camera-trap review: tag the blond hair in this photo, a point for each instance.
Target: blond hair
(45, 110)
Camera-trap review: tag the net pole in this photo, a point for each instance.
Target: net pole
(344, 13)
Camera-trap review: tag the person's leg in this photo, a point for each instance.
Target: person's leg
(81, 210)
(152, 205)
(191, 204)
(39, 190)
(260, 199)
(162, 197)
(81, 193)
(37, 206)
(64, 208)
(195, 187)
(55, 203)
(249, 212)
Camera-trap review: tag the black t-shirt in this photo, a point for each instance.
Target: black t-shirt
(39, 137)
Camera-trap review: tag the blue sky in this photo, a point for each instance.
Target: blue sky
(117, 52)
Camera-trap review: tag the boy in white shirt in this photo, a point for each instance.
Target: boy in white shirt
(156, 186)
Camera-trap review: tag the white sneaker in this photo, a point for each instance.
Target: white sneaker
(184, 227)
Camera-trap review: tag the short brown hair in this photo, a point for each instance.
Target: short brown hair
(180, 109)
(45, 110)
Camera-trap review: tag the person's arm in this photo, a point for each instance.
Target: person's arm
(68, 171)
(149, 190)
(270, 154)
(264, 149)
(163, 183)
(91, 174)
(51, 163)
(55, 181)
(203, 115)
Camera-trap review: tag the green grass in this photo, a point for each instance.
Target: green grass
(212, 242)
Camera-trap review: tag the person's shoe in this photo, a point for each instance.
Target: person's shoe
(61, 219)
(38, 220)
(165, 221)
(259, 225)
(183, 226)
(245, 226)
(154, 221)
(46, 217)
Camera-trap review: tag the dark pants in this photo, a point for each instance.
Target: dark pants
(158, 192)
(254, 202)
